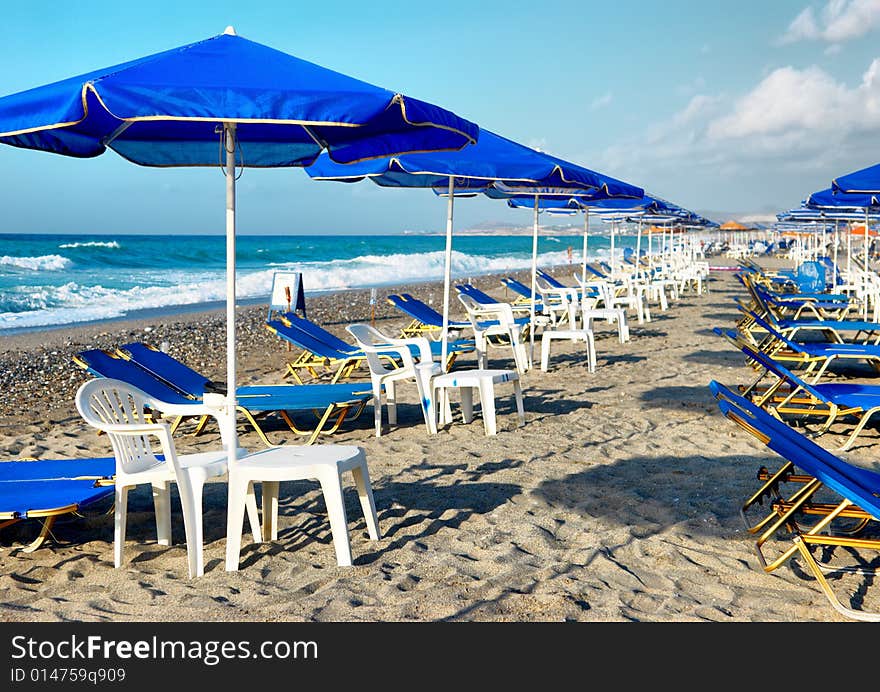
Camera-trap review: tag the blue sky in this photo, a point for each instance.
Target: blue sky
(727, 108)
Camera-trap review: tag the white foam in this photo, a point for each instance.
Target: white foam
(73, 302)
(385, 270)
(41, 263)
(95, 243)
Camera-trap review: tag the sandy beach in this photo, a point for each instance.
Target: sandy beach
(617, 501)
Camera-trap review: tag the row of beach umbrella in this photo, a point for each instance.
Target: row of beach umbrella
(233, 103)
(852, 199)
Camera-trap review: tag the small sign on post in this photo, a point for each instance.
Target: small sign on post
(288, 294)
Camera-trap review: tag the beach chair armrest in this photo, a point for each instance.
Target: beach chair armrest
(132, 430)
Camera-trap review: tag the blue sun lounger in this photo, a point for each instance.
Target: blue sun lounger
(836, 328)
(591, 291)
(518, 287)
(50, 488)
(814, 354)
(840, 331)
(858, 489)
(323, 349)
(832, 400)
(485, 299)
(426, 321)
(169, 381)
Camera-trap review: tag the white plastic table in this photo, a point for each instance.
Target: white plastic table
(484, 381)
(323, 463)
(575, 335)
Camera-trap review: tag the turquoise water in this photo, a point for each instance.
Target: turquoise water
(56, 280)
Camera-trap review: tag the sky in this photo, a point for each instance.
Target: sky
(728, 108)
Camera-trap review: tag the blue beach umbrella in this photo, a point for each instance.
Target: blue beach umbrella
(495, 166)
(865, 181)
(226, 102)
(838, 205)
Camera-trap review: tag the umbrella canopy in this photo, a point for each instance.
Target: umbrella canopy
(734, 226)
(866, 181)
(829, 199)
(495, 166)
(164, 109)
(494, 161)
(225, 101)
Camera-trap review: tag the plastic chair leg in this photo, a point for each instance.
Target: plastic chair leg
(253, 514)
(467, 403)
(365, 493)
(377, 409)
(391, 402)
(591, 351)
(119, 517)
(237, 494)
(487, 404)
(162, 507)
(520, 409)
(545, 351)
(270, 509)
(331, 485)
(520, 357)
(191, 502)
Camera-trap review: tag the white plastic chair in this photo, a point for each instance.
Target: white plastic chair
(590, 311)
(556, 301)
(119, 410)
(494, 320)
(626, 296)
(384, 373)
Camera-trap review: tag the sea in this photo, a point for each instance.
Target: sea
(55, 281)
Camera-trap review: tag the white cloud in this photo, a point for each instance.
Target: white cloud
(839, 20)
(697, 106)
(795, 130)
(602, 101)
(791, 102)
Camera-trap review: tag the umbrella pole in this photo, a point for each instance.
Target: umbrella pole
(447, 272)
(639, 248)
(836, 240)
(534, 285)
(586, 234)
(613, 264)
(865, 275)
(849, 256)
(229, 142)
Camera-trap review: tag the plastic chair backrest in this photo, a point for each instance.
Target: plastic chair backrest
(106, 402)
(373, 343)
